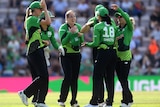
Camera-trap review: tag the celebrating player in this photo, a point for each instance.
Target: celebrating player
(91, 22)
(35, 55)
(124, 53)
(47, 34)
(104, 39)
(71, 40)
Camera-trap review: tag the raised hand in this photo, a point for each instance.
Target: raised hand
(43, 4)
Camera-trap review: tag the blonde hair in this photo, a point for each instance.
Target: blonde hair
(67, 14)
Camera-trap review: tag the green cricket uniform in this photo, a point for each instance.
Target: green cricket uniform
(124, 52)
(70, 42)
(100, 44)
(36, 61)
(104, 35)
(124, 57)
(49, 35)
(33, 32)
(71, 61)
(104, 39)
(95, 21)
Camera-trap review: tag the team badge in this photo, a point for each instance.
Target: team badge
(49, 33)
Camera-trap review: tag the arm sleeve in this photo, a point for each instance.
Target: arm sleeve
(55, 44)
(82, 37)
(96, 38)
(126, 17)
(93, 20)
(64, 35)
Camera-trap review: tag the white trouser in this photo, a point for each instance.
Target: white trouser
(47, 56)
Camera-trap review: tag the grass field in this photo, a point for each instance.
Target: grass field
(141, 99)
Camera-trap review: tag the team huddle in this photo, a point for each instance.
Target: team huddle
(111, 53)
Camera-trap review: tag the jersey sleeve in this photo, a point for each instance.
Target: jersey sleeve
(96, 38)
(93, 20)
(64, 35)
(55, 44)
(126, 17)
(79, 29)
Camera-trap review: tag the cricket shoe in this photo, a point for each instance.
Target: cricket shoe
(90, 105)
(124, 105)
(23, 97)
(75, 105)
(62, 104)
(129, 104)
(103, 104)
(40, 105)
(34, 103)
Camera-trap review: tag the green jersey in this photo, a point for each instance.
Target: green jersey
(104, 34)
(71, 42)
(33, 32)
(95, 21)
(49, 35)
(124, 52)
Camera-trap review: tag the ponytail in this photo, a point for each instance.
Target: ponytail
(107, 19)
(28, 13)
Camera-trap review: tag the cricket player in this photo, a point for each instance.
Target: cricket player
(124, 53)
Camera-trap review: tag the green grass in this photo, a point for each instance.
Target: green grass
(141, 99)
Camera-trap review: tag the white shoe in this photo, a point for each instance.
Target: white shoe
(61, 104)
(102, 104)
(34, 103)
(23, 97)
(90, 105)
(129, 104)
(124, 105)
(75, 105)
(40, 105)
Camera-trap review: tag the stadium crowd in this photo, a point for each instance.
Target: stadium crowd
(145, 44)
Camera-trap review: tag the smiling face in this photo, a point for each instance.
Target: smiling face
(70, 17)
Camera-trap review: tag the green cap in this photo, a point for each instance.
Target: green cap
(98, 6)
(103, 12)
(117, 14)
(35, 5)
(43, 15)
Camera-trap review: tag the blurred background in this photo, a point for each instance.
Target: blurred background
(145, 44)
